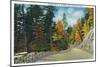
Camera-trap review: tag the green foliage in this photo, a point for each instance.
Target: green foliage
(65, 21)
(34, 24)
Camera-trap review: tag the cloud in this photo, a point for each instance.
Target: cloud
(72, 14)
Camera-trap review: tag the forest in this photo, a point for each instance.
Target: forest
(41, 28)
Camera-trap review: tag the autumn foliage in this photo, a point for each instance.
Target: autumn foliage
(60, 27)
(35, 29)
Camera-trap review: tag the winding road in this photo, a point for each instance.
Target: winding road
(72, 54)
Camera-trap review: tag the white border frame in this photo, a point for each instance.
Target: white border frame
(48, 4)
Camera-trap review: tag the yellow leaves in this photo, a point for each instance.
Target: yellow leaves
(85, 29)
(77, 36)
(56, 37)
(91, 17)
(60, 31)
(90, 12)
(78, 25)
(77, 30)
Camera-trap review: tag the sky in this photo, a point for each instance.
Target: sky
(72, 14)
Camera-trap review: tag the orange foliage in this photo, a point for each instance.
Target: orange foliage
(78, 30)
(60, 27)
(90, 12)
(77, 36)
(85, 29)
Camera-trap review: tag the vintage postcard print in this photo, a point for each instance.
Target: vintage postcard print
(48, 33)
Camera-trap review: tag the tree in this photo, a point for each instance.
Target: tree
(20, 37)
(72, 36)
(38, 26)
(65, 21)
(60, 28)
(88, 22)
(34, 26)
(78, 34)
(48, 22)
(90, 17)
